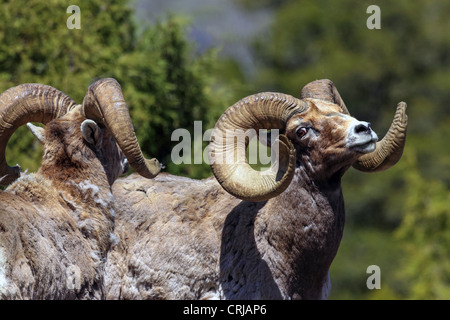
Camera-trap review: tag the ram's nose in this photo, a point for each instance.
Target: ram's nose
(361, 137)
(362, 127)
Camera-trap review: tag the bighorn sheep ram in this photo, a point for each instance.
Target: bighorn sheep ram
(56, 225)
(268, 236)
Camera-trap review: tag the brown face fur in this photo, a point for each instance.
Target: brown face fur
(319, 135)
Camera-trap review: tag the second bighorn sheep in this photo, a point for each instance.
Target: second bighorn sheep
(56, 225)
(270, 236)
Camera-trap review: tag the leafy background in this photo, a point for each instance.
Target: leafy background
(185, 61)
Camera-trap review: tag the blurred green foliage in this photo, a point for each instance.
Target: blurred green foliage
(425, 234)
(398, 219)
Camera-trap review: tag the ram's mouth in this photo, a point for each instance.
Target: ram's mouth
(364, 146)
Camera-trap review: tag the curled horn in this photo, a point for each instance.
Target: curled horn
(27, 103)
(389, 150)
(104, 103)
(229, 162)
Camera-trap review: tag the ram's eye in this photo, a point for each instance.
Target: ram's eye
(301, 132)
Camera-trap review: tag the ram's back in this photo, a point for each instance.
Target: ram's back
(169, 237)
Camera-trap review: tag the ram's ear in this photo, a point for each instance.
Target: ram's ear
(90, 131)
(38, 132)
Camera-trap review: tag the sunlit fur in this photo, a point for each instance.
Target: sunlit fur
(56, 225)
(188, 239)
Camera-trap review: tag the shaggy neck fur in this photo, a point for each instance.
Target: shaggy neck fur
(308, 233)
(291, 241)
(75, 170)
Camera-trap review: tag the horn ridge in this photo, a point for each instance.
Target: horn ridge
(266, 110)
(104, 102)
(325, 90)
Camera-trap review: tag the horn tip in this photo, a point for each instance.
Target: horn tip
(402, 106)
(401, 113)
(154, 167)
